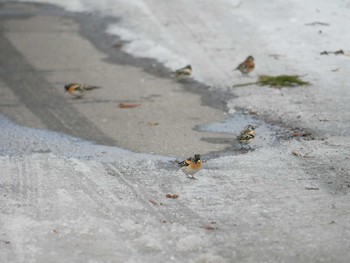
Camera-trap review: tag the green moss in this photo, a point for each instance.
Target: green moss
(281, 81)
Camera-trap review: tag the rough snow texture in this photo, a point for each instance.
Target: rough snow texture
(66, 200)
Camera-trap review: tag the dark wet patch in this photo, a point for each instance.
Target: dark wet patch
(93, 27)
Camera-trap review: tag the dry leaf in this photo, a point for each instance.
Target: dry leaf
(128, 106)
(172, 196)
(153, 202)
(209, 227)
(152, 123)
(118, 45)
(301, 134)
(295, 153)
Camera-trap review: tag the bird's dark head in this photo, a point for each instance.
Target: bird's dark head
(250, 58)
(250, 128)
(197, 158)
(66, 87)
(189, 67)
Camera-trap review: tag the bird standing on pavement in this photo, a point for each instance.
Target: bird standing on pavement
(184, 72)
(246, 66)
(246, 136)
(191, 166)
(78, 90)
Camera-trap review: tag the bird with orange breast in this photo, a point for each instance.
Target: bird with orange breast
(246, 136)
(191, 165)
(78, 90)
(246, 66)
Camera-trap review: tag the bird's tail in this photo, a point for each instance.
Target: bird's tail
(88, 87)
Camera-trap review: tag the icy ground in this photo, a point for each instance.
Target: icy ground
(66, 200)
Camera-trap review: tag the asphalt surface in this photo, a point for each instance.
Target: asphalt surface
(46, 48)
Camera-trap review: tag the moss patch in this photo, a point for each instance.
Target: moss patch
(281, 81)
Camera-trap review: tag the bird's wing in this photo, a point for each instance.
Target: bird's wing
(185, 162)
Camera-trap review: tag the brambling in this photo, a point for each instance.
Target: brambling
(191, 166)
(246, 136)
(184, 72)
(246, 66)
(77, 90)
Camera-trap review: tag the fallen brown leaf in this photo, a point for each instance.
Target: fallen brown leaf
(128, 106)
(152, 123)
(153, 202)
(295, 153)
(172, 196)
(209, 227)
(118, 45)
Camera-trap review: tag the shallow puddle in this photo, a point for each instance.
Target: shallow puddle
(232, 126)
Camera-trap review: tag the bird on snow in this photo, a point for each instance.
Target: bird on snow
(191, 165)
(246, 66)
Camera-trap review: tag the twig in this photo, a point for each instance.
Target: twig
(317, 23)
(312, 188)
(245, 84)
(338, 52)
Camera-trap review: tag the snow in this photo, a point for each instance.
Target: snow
(69, 203)
(68, 200)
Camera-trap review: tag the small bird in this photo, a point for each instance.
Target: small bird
(246, 66)
(184, 72)
(246, 136)
(77, 90)
(191, 166)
